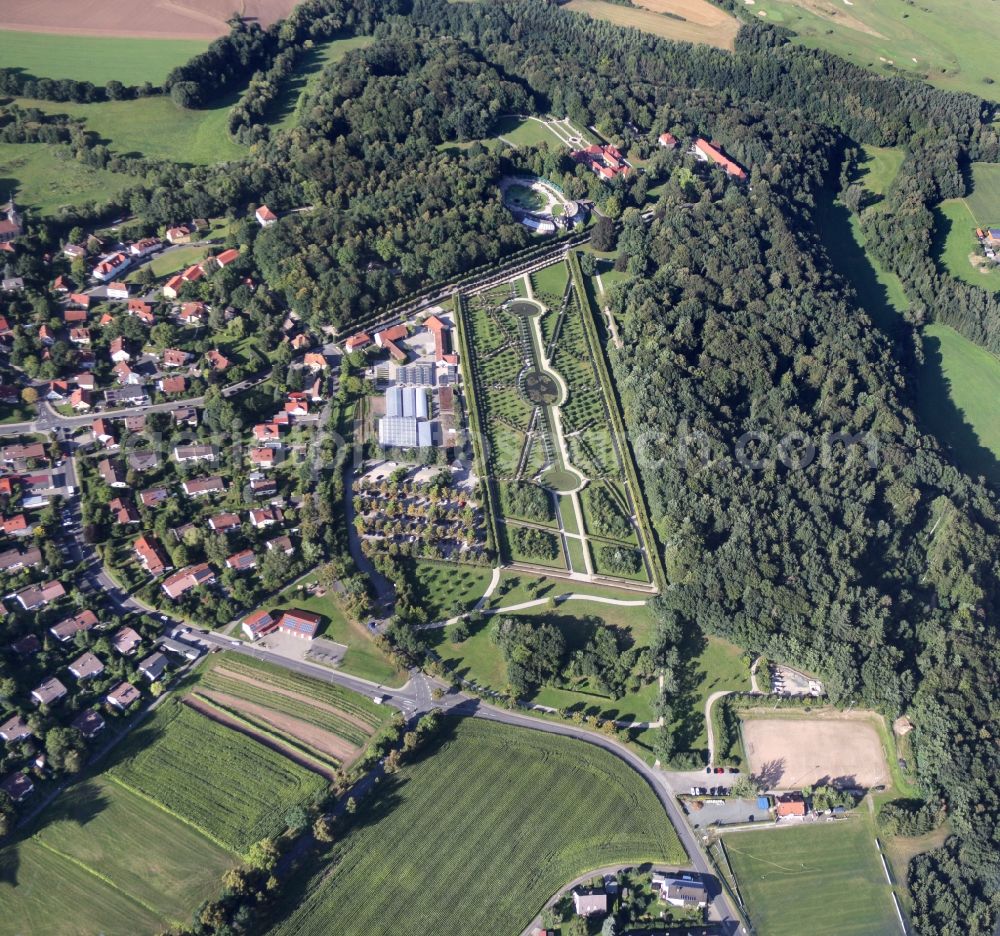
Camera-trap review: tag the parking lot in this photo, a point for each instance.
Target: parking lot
(726, 811)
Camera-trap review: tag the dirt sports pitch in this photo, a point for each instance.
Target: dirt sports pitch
(154, 19)
(789, 753)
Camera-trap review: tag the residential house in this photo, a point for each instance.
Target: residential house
(172, 287)
(79, 301)
(200, 487)
(181, 647)
(267, 432)
(153, 496)
(357, 342)
(195, 453)
(154, 666)
(85, 382)
(86, 666)
(282, 543)
(264, 458)
(263, 487)
(590, 903)
(118, 350)
(217, 360)
(143, 460)
(302, 624)
(79, 336)
(27, 645)
(263, 517)
(171, 385)
(193, 273)
(605, 161)
(117, 291)
(188, 578)
(227, 257)
(680, 890)
(111, 266)
(127, 396)
(19, 453)
(67, 629)
(74, 317)
(126, 376)
(74, 251)
(113, 472)
(145, 247)
(124, 510)
(224, 522)
(185, 416)
(14, 729)
(257, 624)
(17, 786)
(242, 561)
(174, 357)
(192, 313)
(12, 560)
(265, 217)
(181, 234)
(151, 555)
(101, 429)
(122, 696)
(89, 723)
(81, 400)
(667, 140)
(38, 596)
(125, 641)
(51, 690)
(315, 361)
(16, 526)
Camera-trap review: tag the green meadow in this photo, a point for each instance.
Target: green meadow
(46, 178)
(157, 128)
(923, 40)
(98, 59)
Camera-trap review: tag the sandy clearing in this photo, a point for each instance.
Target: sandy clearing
(694, 11)
(154, 19)
(687, 26)
(790, 753)
(203, 708)
(298, 696)
(319, 738)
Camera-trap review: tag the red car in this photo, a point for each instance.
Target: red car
(720, 769)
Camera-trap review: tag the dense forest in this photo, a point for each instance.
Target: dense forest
(875, 563)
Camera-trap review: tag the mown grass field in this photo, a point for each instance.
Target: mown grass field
(45, 181)
(525, 131)
(477, 835)
(233, 788)
(826, 877)
(692, 21)
(98, 59)
(285, 110)
(878, 166)
(160, 862)
(551, 280)
(952, 43)
(155, 127)
(42, 893)
(967, 376)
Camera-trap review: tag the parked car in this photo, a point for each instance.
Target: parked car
(734, 769)
(720, 769)
(708, 770)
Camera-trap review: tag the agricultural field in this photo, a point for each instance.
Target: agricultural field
(98, 59)
(827, 873)
(284, 112)
(165, 20)
(212, 776)
(695, 21)
(472, 820)
(46, 178)
(920, 40)
(956, 247)
(156, 128)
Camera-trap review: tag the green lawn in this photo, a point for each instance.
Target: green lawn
(551, 280)
(526, 131)
(98, 59)
(516, 587)
(956, 399)
(828, 874)
(157, 128)
(285, 110)
(157, 860)
(984, 199)
(577, 561)
(171, 262)
(46, 178)
(363, 658)
(444, 589)
(233, 788)
(42, 893)
(950, 42)
(477, 835)
(718, 667)
(878, 167)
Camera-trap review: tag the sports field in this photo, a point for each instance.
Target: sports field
(45, 181)
(98, 59)
(824, 879)
(951, 43)
(108, 861)
(681, 20)
(476, 836)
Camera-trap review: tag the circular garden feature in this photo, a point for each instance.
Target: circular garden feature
(523, 307)
(540, 388)
(560, 480)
